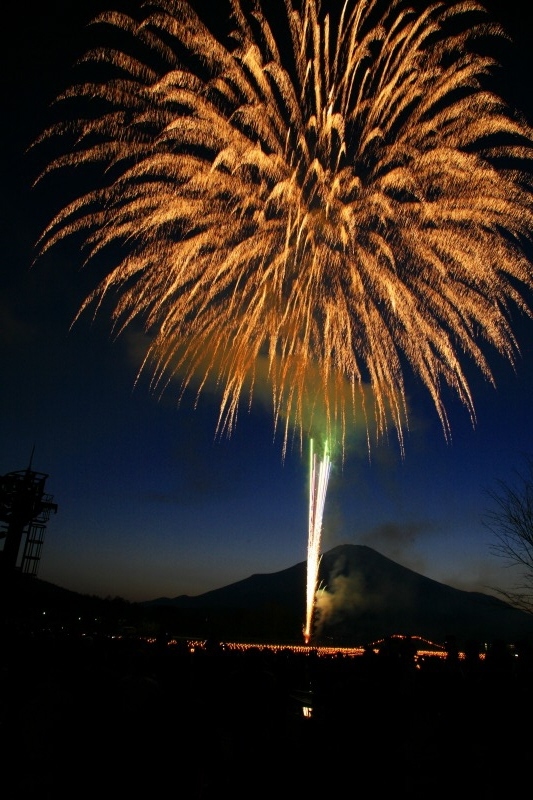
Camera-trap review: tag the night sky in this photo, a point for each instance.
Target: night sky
(150, 502)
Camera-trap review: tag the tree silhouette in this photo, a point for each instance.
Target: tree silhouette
(510, 521)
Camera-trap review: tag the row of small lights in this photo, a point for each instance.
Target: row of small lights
(320, 650)
(431, 649)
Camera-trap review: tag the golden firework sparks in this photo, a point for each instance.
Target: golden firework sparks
(342, 197)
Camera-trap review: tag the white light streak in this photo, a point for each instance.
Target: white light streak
(318, 484)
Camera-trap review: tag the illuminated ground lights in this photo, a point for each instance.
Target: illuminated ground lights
(318, 483)
(421, 650)
(424, 648)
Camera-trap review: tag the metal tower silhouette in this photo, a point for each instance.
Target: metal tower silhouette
(25, 509)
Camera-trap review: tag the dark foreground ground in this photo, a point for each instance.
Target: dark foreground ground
(111, 718)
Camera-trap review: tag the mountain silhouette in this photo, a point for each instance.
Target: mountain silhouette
(363, 596)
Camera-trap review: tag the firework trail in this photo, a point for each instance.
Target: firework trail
(318, 484)
(339, 199)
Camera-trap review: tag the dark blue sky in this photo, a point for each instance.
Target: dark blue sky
(150, 503)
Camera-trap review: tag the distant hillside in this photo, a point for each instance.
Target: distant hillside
(28, 603)
(364, 596)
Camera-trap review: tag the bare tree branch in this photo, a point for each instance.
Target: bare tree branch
(510, 521)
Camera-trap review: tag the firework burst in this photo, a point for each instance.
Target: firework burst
(340, 199)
